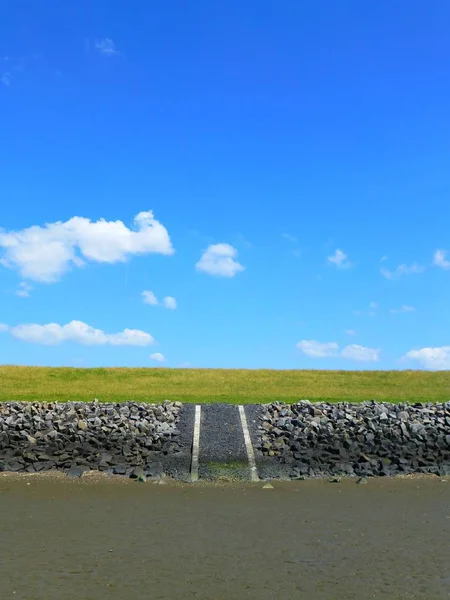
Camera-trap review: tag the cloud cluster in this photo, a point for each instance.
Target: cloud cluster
(289, 237)
(403, 309)
(45, 253)
(373, 306)
(402, 270)
(317, 349)
(339, 259)
(219, 260)
(292, 240)
(170, 302)
(361, 353)
(440, 260)
(158, 357)
(436, 359)
(149, 298)
(78, 332)
(11, 66)
(106, 46)
(23, 289)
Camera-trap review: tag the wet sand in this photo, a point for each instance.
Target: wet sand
(111, 538)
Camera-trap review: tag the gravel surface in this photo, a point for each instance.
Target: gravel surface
(222, 443)
(178, 464)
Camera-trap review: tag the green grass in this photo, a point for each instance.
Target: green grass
(220, 385)
(228, 471)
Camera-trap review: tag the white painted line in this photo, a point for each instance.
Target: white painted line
(248, 445)
(196, 443)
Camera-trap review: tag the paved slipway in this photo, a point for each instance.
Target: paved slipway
(226, 442)
(222, 452)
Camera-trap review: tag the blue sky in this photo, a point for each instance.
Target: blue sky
(225, 184)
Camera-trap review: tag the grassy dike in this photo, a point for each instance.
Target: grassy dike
(235, 386)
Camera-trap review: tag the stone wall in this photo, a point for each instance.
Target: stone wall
(290, 441)
(366, 439)
(117, 438)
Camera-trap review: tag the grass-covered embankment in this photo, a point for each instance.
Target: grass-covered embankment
(220, 385)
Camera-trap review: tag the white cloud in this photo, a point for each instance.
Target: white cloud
(289, 237)
(292, 240)
(14, 66)
(387, 274)
(403, 309)
(3, 327)
(350, 332)
(340, 259)
(437, 358)
(80, 333)
(317, 349)
(45, 253)
(149, 297)
(170, 303)
(158, 357)
(218, 260)
(130, 337)
(402, 270)
(331, 349)
(370, 313)
(23, 289)
(106, 46)
(6, 79)
(239, 240)
(439, 259)
(360, 353)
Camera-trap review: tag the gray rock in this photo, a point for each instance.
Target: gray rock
(154, 468)
(75, 471)
(15, 467)
(137, 472)
(119, 470)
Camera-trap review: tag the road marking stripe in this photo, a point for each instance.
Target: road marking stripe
(248, 445)
(196, 443)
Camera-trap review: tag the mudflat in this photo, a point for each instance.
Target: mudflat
(112, 538)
